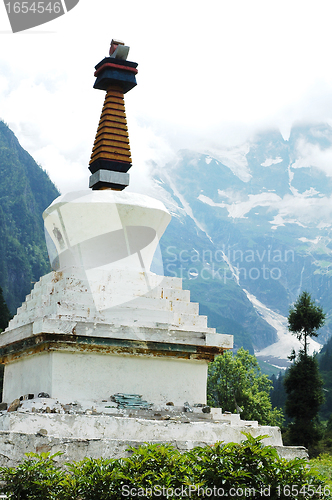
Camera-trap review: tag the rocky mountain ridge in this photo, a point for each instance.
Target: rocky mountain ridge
(251, 230)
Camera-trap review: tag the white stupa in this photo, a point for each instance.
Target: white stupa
(103, 349)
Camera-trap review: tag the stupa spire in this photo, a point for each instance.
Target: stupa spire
(111, 158)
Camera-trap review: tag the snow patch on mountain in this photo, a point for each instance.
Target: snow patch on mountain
(239, 209)
(306, 240)
(286, 340)
(279, 220)
(271, 161)
(235, 159)
(310, 192)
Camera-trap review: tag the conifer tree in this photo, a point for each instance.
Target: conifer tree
(303, 385)
(305, 318)
(303, 382)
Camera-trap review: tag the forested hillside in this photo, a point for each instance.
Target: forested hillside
(25, 192)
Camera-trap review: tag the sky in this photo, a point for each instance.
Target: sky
(210, 74)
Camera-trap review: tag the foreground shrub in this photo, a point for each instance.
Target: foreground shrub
(322, 465)
(36, 478)
(239, 471)
(253, 470)
(92, 479)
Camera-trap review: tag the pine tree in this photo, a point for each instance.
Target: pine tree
(303, 385)
(305, 318)
(303, 382)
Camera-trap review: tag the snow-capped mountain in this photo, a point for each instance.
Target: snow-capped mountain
(251, 229)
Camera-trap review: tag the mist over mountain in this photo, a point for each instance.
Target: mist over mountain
(25, 192)
(251, 229)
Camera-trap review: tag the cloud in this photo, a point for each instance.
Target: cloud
(209, 76)
(60, 165)
(311, 155)
(147, 150)
(304, 210)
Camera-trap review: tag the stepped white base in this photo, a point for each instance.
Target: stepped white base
(68, 341)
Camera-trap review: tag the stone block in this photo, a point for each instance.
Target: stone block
(219, 339)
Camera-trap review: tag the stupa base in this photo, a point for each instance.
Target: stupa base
(150, 342)
(100, 430)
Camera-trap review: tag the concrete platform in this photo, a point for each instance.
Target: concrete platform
(87, 430)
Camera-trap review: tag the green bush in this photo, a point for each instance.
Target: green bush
(239, 471)
(253, 470)
(92, 479)
(322, 465)
(236, 384)
(35, 479)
